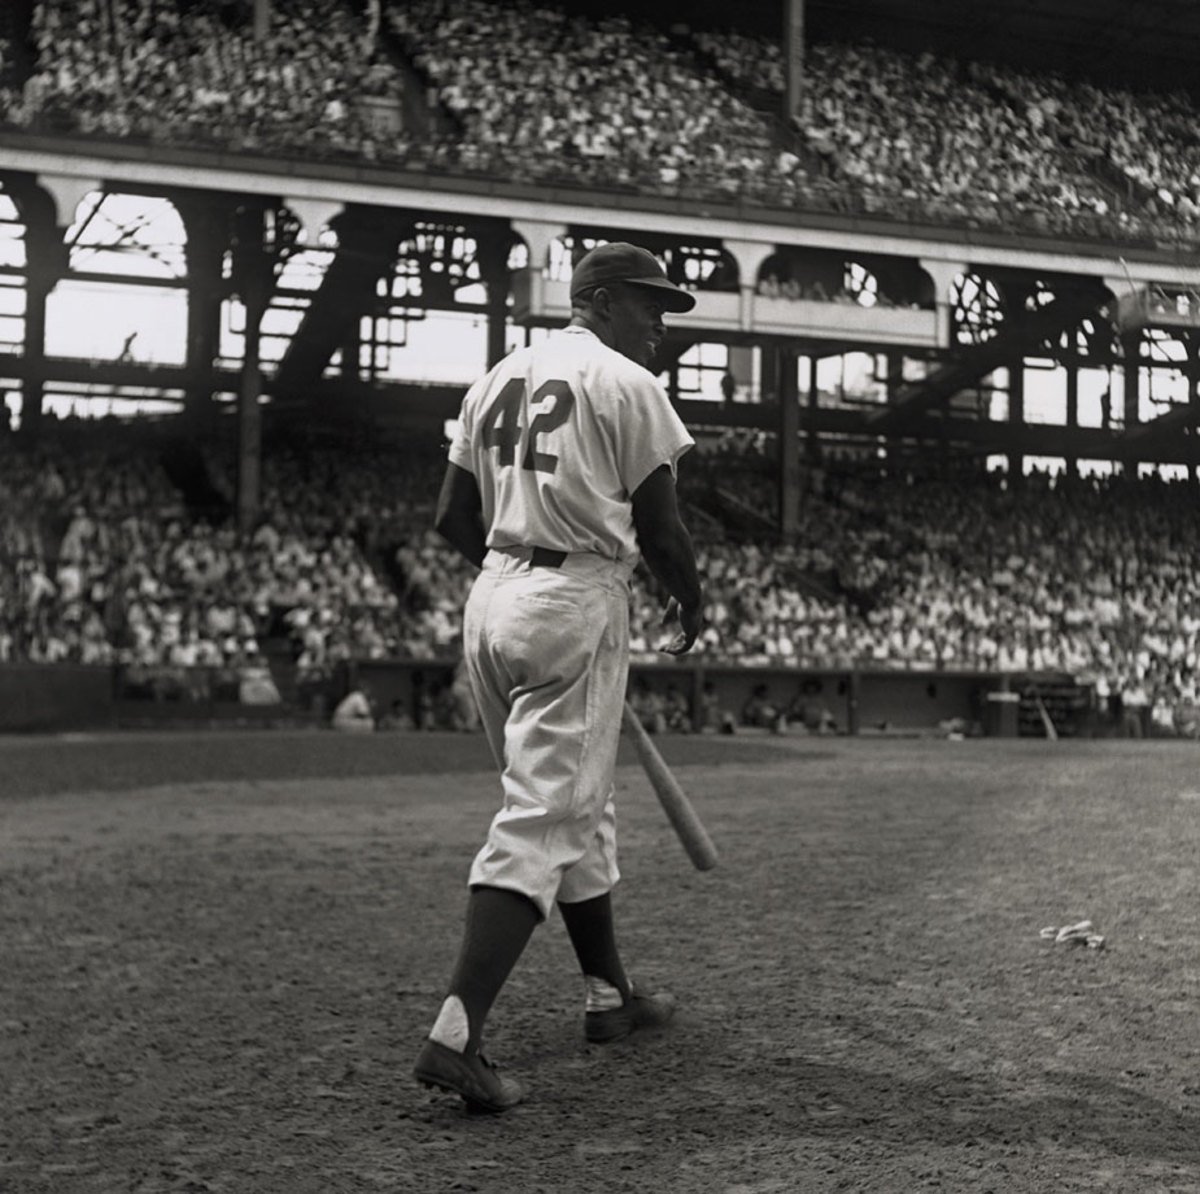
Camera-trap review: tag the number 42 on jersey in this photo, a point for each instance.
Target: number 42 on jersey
(502, 423)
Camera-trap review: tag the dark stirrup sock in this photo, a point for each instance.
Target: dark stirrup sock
(590, 927)
(498, 927)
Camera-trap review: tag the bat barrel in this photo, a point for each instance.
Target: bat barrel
(679, 809)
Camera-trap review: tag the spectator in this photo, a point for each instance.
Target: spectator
(647, 706)
(677, 709)
(761, 712)
(255, 684)
(809, 709)
(354, 713)
(397, 717)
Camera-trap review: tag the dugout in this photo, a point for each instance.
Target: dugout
(1002, 714)
(857, 701)
(55, 696)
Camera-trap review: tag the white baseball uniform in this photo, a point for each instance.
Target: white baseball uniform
(558, 437)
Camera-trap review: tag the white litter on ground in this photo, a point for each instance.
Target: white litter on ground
(1082, 933)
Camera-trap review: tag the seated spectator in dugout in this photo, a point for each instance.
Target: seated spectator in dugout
(397, 717)
(677, 709)
(648, 706)
(255, 685)
(427, 706)
(354, 713)
(714, 719)
(762, 712)
(445, 707)
(808, 708)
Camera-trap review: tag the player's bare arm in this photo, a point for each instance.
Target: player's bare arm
(667, 549)
(459, 518)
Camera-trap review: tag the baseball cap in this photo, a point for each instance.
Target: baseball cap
(622, 262)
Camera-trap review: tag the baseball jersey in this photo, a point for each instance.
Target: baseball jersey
(559, 436)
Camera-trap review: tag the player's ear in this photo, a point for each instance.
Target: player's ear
(602, 300)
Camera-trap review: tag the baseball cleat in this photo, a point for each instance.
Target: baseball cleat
(638, 1011)
(471, 1076)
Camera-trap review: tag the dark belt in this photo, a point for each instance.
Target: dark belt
(546, 557)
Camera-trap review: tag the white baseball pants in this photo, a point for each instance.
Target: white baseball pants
(547, 651)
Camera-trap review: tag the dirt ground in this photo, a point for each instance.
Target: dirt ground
(219, 954)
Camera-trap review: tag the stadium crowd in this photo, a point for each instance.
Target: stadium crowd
(197, 74)
(101, 561)
(542, 95)
(928, 131)
(975, 132)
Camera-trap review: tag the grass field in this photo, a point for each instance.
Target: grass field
(219, 953)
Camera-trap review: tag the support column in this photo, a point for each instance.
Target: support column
(539, 236)
(1131, 344)
(750, 256)
(1016, 419)
(315, 214)
(1071, 363)
(944, 275)
(812, 439)
(789, 442)
(351, 350)
(768, 373)
(46, 261)
(741, 364)
(893, 381)
(206, 222)
(793, 42)
(39, 282)
(249, 473)
(494, 251)
(253, 281)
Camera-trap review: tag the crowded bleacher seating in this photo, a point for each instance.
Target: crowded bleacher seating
(534, 93)
(102, 562)
(197, 74)
(970, 135)
(543, 94)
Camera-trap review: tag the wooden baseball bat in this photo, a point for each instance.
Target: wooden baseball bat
(671, 796)
(1047, 723)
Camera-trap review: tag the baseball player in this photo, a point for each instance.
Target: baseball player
(561, 475)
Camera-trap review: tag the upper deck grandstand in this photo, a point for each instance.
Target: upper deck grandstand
(901, 119)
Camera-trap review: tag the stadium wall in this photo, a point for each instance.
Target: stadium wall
(857, 700)
(58, 696)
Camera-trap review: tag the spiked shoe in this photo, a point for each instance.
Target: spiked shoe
(470, 1075)
(638, 1011)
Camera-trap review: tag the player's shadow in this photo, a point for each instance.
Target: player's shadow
(948, 1108)
(738, 1089)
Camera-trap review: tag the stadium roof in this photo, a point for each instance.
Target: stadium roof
(1143, 44)
(1147, 44)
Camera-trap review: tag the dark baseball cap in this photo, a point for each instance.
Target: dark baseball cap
(622, 262)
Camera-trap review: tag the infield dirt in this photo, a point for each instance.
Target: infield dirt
(219, 954)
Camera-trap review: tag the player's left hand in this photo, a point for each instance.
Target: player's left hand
(688, 620)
